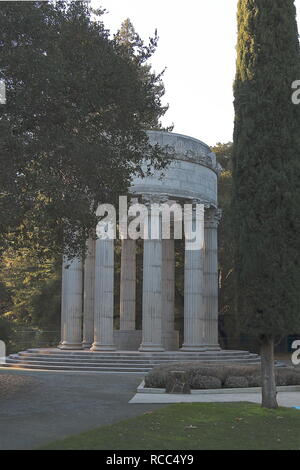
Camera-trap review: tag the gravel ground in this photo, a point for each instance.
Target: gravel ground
(13, 385)
(37, 408)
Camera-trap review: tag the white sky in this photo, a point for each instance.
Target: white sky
(197, 45)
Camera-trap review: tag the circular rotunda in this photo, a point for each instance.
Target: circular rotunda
(88, 286)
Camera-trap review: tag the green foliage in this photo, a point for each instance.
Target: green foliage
(72, 131)
(45, 304)
(266, 168)
(132, 46)
(225, 373)
(5, 298)
(228, 315)
(26, 278)
(6, 330)
(224, 155)
(30, 294)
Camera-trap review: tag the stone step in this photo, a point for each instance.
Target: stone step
(55, 359)
(20, 365)
(109, 359)
(16, 359)
(100, 366)
(131, 354)
(139, 356)
(77, 364)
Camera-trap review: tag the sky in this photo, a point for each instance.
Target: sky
(197, 46)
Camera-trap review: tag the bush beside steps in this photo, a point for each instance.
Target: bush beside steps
(214, 376)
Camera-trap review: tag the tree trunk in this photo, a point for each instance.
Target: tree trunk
(269, 393)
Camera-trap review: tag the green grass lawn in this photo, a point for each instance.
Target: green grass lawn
(209, 426)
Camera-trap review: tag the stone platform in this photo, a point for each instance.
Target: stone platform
(119, 361)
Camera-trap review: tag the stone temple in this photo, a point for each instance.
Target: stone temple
(88, 339)
(191, 177)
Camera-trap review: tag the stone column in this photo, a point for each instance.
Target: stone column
(193, 284)
(128, 285)
(71, 311)
(104, 296)
(168, 292)
(211, 340)
(152, 288)
(88, 296)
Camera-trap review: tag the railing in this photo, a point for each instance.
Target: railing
(24, 338)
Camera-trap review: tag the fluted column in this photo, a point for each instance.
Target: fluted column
(71, 306)
(168, 291)
(212, 218)
(104, 296)
(152, 289)
(128, 285)
(88, 297)
(193, 285)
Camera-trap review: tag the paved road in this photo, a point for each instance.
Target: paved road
(39, 407)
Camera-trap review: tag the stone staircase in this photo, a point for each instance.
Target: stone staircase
(119, 361)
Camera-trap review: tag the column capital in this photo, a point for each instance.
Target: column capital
(212, 218)
(148, 199)
(207, 204)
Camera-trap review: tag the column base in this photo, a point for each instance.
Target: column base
(103, 347)
(171, 341)
(129, 327)
(193, 348)
(151, 348)
(69, 346)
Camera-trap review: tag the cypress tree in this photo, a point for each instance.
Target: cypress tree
(266, 177)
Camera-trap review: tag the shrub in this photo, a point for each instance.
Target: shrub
(156, 378)
(255, 381)
(236, 382)
(281, 379)
(293, 379)
(288, 376)
(211, 376)
(204, 382)
(177, 382)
